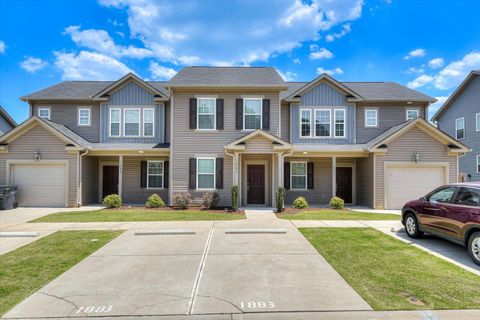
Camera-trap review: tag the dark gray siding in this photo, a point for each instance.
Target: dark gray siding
(89, 180)
(466, 105)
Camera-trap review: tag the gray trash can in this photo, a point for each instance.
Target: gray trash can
(8, 199)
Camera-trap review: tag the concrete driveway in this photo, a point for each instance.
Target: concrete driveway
(229, 267)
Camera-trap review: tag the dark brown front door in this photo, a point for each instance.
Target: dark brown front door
(344, 183)
(110, 180)
(256, 184)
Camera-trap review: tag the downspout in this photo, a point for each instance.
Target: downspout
(233, 165)
(79, 176)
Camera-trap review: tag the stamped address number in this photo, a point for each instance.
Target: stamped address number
(257, 305)
(95, 309)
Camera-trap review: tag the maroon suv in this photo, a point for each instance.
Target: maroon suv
(451, 212)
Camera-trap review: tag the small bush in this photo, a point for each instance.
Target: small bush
(300, 203)
(234, 191)
(154, 201)
(280, 199)
(210, 200)
(337, 203)
(181, 200)
(112, 201)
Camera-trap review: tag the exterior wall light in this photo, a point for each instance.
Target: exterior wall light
(416, 157)
(36, 155)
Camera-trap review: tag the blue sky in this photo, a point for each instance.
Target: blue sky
(429, 45)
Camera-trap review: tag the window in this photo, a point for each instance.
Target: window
(44, 113)
(205, 173)
(322, 123)
(412, 114)
(460, 128)
(114, 122)
(206, 113)
(339, 123)
(131, 122)
(371, 118)
(155, 174)
(84, 116)
(444, 195)
(252, 113)
(298, 176)
(468, 197)
(477, 121)
(305, 123)
(148, 122)
(478, 164)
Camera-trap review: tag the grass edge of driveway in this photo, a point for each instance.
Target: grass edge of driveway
(333, 214)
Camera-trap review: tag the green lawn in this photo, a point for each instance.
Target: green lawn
(111, 215)
(27, 269)
(330, 214)
(392, 275)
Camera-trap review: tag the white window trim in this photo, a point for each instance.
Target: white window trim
(412, 110)
(456, 128)
(344, 123)
(253, 114)
(155, 174)
(315, 123)
(49, 109)
(209, 114)
(376, 118)
(478, 163)
(296, 175)
(139, 122)
(300, 122)
(110, 122)
(477, 121)
(89, 109)
(214, 173)
(153, 122)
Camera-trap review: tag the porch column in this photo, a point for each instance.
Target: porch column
(235, 169)
(280, 169)
(120, 174)
(334, 176)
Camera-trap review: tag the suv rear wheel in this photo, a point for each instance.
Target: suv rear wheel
(411, 226)
(474, 247)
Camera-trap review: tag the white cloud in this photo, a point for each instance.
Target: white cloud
(420, 81)
(297, 61)
(3, 46)
(436, 63)
(433, 108)
(185, 30)
(415, 70)
(331, 72)
(161, 72)
(319, 53)
(32, 64)
(89, 66)
(288, 75)
(346, 28)
(415, 54)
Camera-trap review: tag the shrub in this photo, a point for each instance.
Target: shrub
(300, 203)
(280, 198)
(337, 203)
(154, 201)
(234, 191)
(181, 200)
(210, 200)
(112, 201)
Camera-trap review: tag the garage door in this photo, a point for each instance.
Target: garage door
(40, 185)
(409, 183)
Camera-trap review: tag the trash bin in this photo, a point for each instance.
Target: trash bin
(8, 197)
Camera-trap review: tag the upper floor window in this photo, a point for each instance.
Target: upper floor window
(114, 122)
(205, 173)
(84, 116)
(305, 122)
(148, 122)
(252, 113)
(371, 118)
(322, 123)
(206, 113)
(460, 128)
(412, 114)
(155, 174)
(44, 113)
(131, 122)
(339, 123)
(298, 175)
(477, 121)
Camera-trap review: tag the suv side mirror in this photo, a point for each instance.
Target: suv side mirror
(423, 199)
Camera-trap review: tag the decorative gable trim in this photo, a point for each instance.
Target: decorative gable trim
(277, 143)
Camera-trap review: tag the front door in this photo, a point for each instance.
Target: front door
(344, 183)
(256, 184)
(109, 181)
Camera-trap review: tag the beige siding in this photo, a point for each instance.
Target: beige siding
(285, 122)
(403, 149)
(89, 180)
(365, 181)
(258, 144)
(50, 147)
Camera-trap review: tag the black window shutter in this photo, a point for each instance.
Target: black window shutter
(219, 173)
(219, 114)
(239, 114)
(165, 174)
(266, 114)
(310, 175)
(143, 174)
(193, 174)
(286, 175)
(193, 113)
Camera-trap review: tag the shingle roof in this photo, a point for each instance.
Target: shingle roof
(228, 76)
(67, 133)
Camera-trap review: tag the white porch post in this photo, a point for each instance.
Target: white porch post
(120, 174)
(235, 169)
(334, 176)
(280, 170)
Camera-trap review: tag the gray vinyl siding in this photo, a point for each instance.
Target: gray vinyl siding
(168, 108)
(285, 122)
(5, 126)
(89, 180)
(50, 147)
(364, 175)
(131, 94)
(466, 105)
(389, 115)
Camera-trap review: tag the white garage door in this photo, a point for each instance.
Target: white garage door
(409, 183)
(39, 184)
